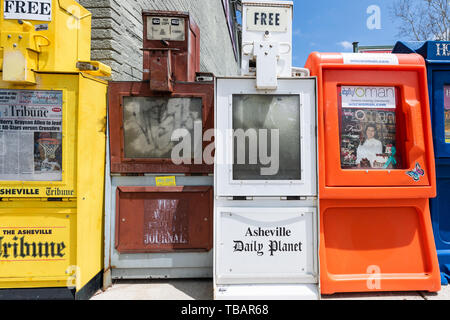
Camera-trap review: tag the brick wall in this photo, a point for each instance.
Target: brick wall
(117, 34)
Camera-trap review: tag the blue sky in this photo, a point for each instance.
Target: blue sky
(332, 25)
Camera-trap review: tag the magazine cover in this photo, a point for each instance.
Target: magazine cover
(368, 128)
(447, 113)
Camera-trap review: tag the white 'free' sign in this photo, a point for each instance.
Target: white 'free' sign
(267, 19)
(40, 10)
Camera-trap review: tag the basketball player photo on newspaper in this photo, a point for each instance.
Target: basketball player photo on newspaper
(30, 135)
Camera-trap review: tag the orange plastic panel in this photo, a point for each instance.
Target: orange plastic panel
(409, 79)
(377, 246)
(375, 226)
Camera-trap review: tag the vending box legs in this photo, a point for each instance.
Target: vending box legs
(376, 173)
(52, 160)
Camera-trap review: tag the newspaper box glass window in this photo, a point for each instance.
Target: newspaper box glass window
(30, 135)
(149, 125)
(368, 128)
(271, 126)
(447, 112)
(264, 138)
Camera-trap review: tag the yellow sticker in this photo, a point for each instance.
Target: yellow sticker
(166, 181)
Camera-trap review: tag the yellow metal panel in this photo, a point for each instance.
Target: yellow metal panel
(66, 188)
(35, 283)
(55, 45)
(80, 18)
(37, 245)
(48, 56)
(91, 167)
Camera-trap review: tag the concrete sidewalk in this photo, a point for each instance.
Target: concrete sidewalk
(201, 289)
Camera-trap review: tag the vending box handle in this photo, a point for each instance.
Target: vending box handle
(39, 44)
(286, 45)
(415, 119)
(247, 44)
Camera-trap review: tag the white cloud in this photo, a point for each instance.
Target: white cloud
(346, 45)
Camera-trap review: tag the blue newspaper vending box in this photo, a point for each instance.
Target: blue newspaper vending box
(437, 57)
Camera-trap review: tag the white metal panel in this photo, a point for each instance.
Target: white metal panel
(266, 54)
(38, 10)
(267, 292)
(273, 19)
(305, 88)
(265, 245)
(166, 28)
(255, 28)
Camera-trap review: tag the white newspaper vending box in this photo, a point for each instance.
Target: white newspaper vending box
(266, 224)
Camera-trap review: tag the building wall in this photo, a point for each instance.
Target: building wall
(117, 34)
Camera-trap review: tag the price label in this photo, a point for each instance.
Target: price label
(166, 181)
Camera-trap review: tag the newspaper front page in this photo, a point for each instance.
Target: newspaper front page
(30, 135)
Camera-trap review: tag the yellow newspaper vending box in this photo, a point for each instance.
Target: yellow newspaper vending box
(52, 151)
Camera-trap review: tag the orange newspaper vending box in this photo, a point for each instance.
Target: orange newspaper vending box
(376, 173)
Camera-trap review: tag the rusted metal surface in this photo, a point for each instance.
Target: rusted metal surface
(170, 69)
(164, 219)
(160, 73)
(120, 90)
(184, 56)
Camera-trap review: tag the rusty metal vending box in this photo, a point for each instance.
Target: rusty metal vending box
(160, 189)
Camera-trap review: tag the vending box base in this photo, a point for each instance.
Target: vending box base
(267, 292)
(131, 254)
(378, 245)
(64, 293)
(266, 249)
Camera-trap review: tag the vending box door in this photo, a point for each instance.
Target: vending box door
(387, 96)
(398, 123)
(38, 138)
(142, 126)
(265, 140)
